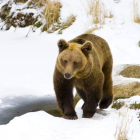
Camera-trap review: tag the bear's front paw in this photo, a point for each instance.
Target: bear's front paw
(70, 117)
(88, 114)
(69, 114)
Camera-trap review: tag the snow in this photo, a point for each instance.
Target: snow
(131, 100)
(40, 125)
(0, 102)
(59, 129)
(27, 65)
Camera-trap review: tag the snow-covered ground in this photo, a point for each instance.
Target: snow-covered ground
(40, 125)
(27, 65)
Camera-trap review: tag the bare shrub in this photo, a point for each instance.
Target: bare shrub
(123, 126)
(97, 11)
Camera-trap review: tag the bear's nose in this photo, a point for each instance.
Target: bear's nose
(67, 75)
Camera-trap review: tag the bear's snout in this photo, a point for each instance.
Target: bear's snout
(67, 75)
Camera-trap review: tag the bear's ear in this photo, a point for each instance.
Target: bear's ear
(87, 47)
(62, 44)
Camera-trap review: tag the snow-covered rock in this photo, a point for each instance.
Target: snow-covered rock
(132, 71)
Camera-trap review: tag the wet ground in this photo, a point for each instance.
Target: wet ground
(17, 106)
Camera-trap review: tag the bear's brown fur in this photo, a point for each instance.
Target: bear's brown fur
(86, 64)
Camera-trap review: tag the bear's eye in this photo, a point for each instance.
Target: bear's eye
(65, 61)
(75, 63)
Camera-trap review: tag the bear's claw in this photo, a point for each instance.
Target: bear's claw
(70, 117)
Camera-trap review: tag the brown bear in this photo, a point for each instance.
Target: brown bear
(85, 63)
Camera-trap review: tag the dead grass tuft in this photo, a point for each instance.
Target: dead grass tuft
(51, 15)
(97, 11)
(117, 105)
(69, 21)
(122, 128)
(135, 106)
(91, 30)
(109, 14)
(136, 11)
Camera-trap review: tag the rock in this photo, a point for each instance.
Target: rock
(126, 91)
(131, 72)
(121, 91)
(18, 17)
(124, 85)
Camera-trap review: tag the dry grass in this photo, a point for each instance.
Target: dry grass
(97, 11)
(109, 14)
(122, 128)
(50, 18)
(51, 15)
(91, 30)
(136, 11)
(117, 105)
(135, 106)
(69, 21)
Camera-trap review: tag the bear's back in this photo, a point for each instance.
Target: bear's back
(99, 44)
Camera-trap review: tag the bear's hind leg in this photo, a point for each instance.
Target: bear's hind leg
(93, 97)
(107, 88)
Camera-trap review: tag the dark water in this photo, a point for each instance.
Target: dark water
(17, 106)
(117, 1)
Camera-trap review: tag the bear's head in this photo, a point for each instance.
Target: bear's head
(72, 58)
